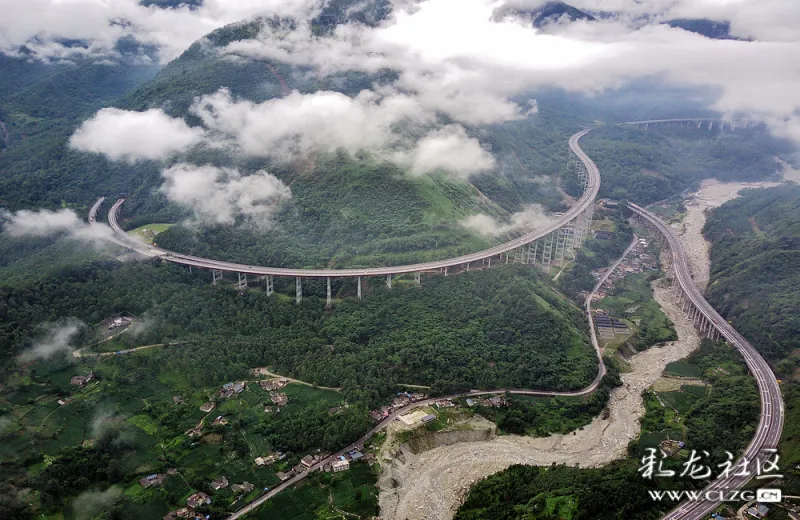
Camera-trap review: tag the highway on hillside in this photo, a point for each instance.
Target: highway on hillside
(93, 210)
(770, 425)
(583, 203)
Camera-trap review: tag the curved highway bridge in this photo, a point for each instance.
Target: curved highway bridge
(707, 319)
(546, 246)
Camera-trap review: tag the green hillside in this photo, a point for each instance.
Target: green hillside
(755, 268)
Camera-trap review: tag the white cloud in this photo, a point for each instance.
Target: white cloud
(131, 136)
(301, 123)
(41, 25)
(530, 218)
(45, 223)
(220, 195)
(55, 338)
(89, 503)
(452, 150)
(472, 74)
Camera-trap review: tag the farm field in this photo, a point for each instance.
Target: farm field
(632, 302)
(127, 421)
(148, 232)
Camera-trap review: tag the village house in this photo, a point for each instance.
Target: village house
(220, 483)
(299, 469)
(198, 499)
(220, 421)
(151, 480)
(197, 431)
(81, 380)
(269, 409)
(340, 465)
(269, 459)
(226, 391)
(334, 410)
(177, 399)
(239, 387)
(244, 487)
(279, 398)
(285, 476)
(308, 461)
(183, 513)
(207, 407)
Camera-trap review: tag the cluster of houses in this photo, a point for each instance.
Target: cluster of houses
(305, 463)
(200, 499)
(402, 399)
(497, 401)
(82, 380)
(637, 261)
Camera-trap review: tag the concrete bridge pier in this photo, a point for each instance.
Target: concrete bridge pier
(329, 299)
(547, 251)
(699, 124)
(533, 250)
(298, 290)
(418, 278)
(242, 281)
(216, 275)
(359, 287)
(389, 281)
(270, 284)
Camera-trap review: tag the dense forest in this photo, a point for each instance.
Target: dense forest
(495, 328)
(755, 269)
(647, 166)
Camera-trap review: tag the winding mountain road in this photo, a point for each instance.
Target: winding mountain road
(770, 425)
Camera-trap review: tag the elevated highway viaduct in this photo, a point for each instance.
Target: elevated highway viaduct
(545, 246)
(708, 122)
(708, 321)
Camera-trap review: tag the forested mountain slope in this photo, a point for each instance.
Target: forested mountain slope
(40, 106)
(647, 166)
(755, 268)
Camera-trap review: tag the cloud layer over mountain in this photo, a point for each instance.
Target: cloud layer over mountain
(219, 195)
(48, 29)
